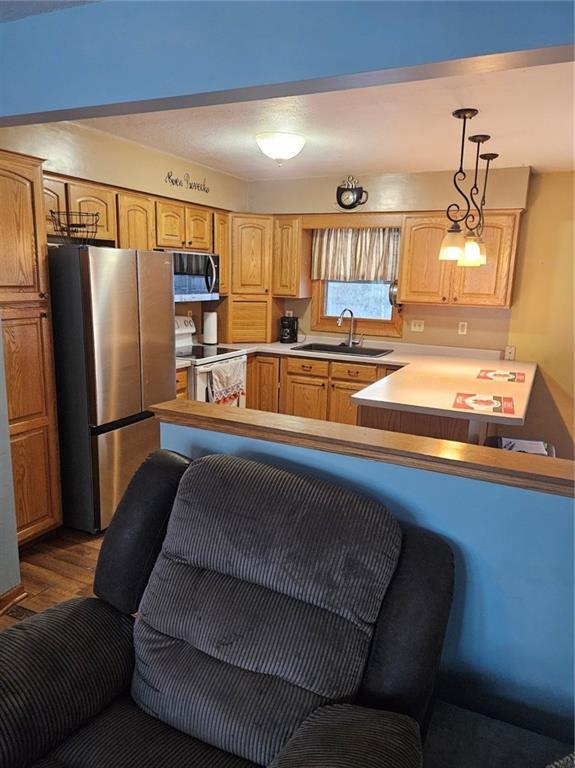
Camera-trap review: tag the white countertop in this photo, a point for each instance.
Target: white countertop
(442, 381)
(182, 363)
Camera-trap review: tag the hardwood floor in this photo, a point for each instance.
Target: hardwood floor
(55, 568)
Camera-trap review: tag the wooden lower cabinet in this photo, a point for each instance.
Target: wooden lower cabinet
(320, 389)
(305, 396)
(263, 379)
(31, 418)
(182, 384)
(341, 407)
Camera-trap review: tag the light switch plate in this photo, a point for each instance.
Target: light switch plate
(417, 326)
(462, 329)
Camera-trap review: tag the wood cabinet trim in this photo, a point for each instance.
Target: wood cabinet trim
(538, 473)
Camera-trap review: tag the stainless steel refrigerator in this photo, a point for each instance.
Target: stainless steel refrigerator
(113, 320)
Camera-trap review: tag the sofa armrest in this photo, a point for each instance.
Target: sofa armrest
(347, 736)
(58, 669)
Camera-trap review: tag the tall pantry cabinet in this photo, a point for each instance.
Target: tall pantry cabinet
(27, 338)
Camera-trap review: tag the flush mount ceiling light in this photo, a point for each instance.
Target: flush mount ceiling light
(467, 249)
(280, 146)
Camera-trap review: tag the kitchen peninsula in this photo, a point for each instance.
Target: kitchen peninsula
(432, 391)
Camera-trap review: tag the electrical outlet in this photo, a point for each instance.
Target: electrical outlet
(417, 326)
(509, 353)
(462, 329)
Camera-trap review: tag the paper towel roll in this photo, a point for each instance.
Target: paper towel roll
(210, 327)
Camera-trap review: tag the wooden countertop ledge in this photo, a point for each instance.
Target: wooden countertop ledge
(539, 473)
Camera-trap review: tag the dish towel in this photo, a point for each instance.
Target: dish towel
(227, 381)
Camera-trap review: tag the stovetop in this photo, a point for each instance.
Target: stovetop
(199, 351)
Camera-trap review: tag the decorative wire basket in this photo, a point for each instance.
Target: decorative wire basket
(75, 227)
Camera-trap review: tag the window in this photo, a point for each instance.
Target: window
(367, 300)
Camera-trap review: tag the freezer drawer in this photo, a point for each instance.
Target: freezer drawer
(118, 455)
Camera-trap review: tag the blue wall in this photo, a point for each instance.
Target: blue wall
(111, 52)
(509, 646)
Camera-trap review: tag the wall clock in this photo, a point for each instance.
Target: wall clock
(349, 194)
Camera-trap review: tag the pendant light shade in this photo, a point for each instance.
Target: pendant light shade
(280, 146)
(471, 256)
(452, 244)
(469, 212)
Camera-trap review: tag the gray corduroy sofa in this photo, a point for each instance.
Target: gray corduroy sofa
(280, 621)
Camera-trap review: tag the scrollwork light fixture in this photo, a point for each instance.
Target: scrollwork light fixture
(467, 248)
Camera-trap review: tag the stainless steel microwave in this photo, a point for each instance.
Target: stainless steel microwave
(196, 276)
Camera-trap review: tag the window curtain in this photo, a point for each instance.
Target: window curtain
(370, 254)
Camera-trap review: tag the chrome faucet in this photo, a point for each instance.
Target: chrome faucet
(350, 340)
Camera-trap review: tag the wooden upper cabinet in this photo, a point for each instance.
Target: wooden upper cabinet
(90, 198)
(490, 285)
(199, 230)
(170, 225)
(423, 278)
(31, 418)
(136, 222)
(22, 231)
(251, 254)
(291, 258)
(426, 280)
(222, 248)
(54, 200)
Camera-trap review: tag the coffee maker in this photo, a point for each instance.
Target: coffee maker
(288, 330)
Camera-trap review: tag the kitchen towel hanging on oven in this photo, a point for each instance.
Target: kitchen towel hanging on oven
(354, 254)
(227, 381)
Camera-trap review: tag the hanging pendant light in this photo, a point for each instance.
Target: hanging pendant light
(469, 249)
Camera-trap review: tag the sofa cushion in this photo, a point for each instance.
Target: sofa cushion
(262, 604)
(123, 736)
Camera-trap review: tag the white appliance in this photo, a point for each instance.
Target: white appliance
(202, 358)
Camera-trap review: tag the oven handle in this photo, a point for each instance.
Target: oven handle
(210, 267)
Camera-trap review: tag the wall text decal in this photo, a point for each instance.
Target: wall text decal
(186, 182)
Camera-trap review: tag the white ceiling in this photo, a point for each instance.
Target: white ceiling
(405, 127)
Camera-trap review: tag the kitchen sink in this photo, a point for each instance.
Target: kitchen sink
(343, 349)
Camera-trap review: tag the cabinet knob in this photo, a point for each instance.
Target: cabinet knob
(444, 298)
(306, 367)
(267, 290)
(43, 314)
(353, 373)
(190, 242)
(43, 295)
(455, 298)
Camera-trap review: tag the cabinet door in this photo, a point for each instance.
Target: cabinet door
(199, 233)
(22, 231)
(170, 225)
(286, 261)
(305, 396)
(182, 384)
(136, 222)
(341, 407)
(222, 248)
(423, 278)
(54, 200)
(250, 320)
(251, 254)
(267, 382)
(32, 419)
(490, 285)
(88, 198)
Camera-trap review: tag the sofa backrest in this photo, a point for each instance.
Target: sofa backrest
(262, 604)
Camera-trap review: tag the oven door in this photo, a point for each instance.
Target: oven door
(201, 387)
(196, 276)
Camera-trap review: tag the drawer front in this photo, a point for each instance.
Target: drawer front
(182, 384)
(307, 366)
(354, 372)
